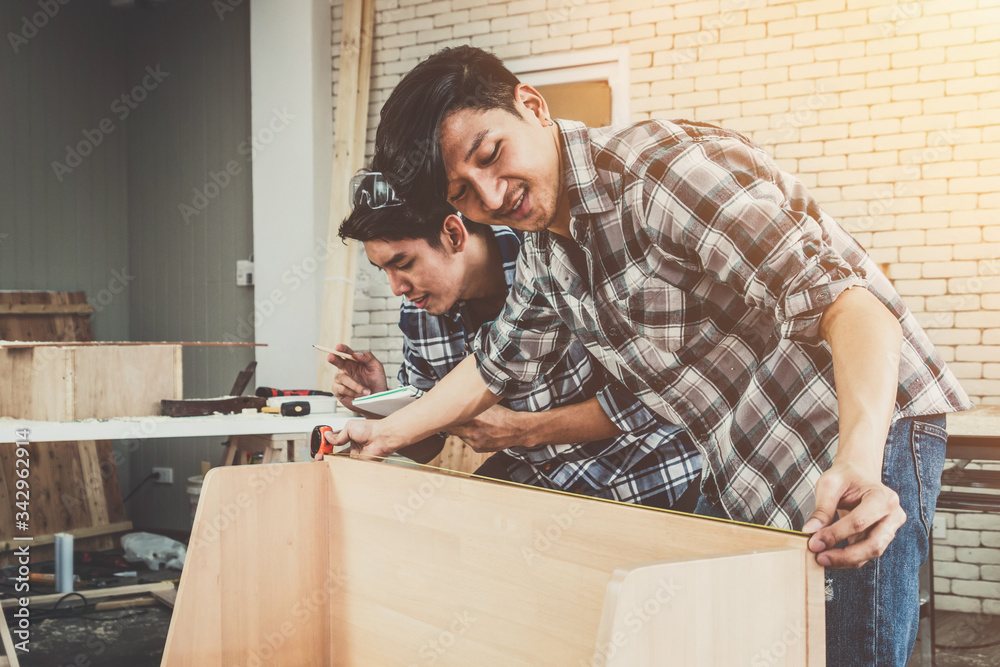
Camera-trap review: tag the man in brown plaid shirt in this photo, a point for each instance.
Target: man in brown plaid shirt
(713, 286)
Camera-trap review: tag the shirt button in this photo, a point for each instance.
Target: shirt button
(547, 467)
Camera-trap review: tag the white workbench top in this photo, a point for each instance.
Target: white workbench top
(132, 428)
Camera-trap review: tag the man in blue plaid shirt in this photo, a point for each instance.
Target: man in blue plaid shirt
(714, 287)
(454, 276)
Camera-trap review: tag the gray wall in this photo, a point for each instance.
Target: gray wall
(118, 213)
(184, 261)
(66, 231)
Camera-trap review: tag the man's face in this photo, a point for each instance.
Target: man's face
(431, 278)
(503, 169)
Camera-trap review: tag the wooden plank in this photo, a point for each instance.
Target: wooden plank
(64, 325)
(349, 134)
(694, 612)
(37, 387)
(122, 381)
(167, 598)
(10, 653)
(109, 479)
(45, 309)
(20, 344)
(116, 591)
(396, 557)
(8, 477)
(77, 533)
(91, 486)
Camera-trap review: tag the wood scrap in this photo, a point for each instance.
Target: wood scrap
(160, 586)
(198, 407)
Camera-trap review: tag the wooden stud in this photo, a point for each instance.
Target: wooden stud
(349, 134)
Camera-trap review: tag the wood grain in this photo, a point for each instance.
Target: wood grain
(61, 383)
(747, 608)
(45, 316)
(396, 559)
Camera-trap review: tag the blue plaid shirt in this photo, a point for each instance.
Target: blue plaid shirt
(650, 458)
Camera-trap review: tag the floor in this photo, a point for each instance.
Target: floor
(955, 629)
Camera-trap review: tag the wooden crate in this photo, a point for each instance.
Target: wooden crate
(67, 382)
(357, 563)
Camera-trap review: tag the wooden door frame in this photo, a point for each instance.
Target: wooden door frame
(610, 64)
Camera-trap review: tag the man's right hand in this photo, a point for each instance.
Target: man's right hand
(365, 439)
(360, 376)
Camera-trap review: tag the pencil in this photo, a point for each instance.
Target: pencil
(330, 350)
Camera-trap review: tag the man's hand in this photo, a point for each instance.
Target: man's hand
(495, 429)
(364, 437)
(869, 513)
(359, 377)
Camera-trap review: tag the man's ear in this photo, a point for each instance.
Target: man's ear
(454, 235)
(533, 101)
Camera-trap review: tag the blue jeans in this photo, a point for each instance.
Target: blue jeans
(872, 613)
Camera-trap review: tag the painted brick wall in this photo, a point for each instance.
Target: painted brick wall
(889, 111)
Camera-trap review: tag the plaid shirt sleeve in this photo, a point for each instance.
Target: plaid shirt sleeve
(525, 342)
(415, 371)
(739, 230)
(627, 412)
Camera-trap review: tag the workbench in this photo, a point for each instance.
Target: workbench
(141, 428)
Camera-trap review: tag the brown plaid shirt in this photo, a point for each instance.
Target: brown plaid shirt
(697, 275)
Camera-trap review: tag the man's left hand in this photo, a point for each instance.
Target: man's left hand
(495, 429)
(869, 511)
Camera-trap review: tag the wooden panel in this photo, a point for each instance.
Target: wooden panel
(123, 381)
(83, 382)
(54, 319)
(33, 383)
(74, 487)
(650, 606)
(505, 573)
(248, 537)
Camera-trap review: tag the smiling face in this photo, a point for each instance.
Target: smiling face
(504, 169)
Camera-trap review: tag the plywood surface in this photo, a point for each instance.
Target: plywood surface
(73, 486)
(405, 561)
(81, 382)
(650, 605)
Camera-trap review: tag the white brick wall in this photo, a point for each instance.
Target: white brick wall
(967, 562)
(889, 110)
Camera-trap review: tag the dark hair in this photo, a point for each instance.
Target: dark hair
(407, 148)
(399, 223)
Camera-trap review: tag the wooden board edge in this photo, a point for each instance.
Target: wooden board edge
(815, 611)
(10, 653)
(77, 533)
(116, 591)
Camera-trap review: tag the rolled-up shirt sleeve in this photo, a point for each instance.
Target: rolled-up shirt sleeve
(726, 205)
(415, 371)
(627, 412)
(526, 340)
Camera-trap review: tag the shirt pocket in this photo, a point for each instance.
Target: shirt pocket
(656, 310)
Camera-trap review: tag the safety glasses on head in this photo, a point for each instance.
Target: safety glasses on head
(371, 189)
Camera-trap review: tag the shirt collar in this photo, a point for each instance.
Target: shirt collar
(586, 193)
